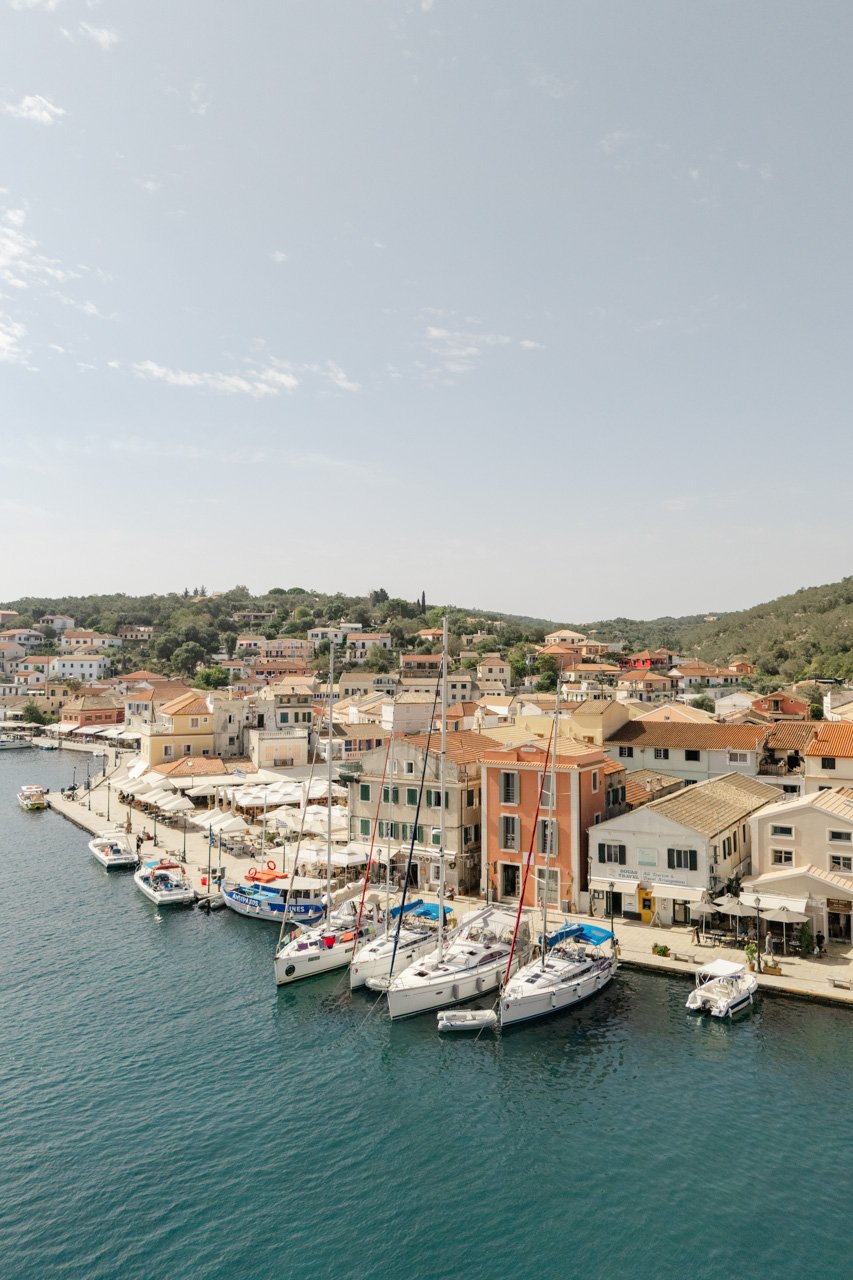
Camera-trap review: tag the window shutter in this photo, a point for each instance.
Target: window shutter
(601, 854)
(621, 855)
(693, 860)
(670, 858)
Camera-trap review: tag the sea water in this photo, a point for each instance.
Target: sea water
(167, 1112)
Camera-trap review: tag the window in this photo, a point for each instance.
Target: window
(737, 757)
(188, 748)
(364, 826)
(692, 755)
(546, 802)
(840, 837)
(839, 862)
(690, 782)
(546, 830)
(391, 795)
(661, 753)
(682, 859)
(510, 881)
(612, 853)
(595, 779)
(509, 788)
(411, 795)
(626, 753)
(469, 798)
(364, 791)
(509, 832)
(283, 717)
(782, 831)
(435, 835)
(596, 819)
(827, 762)
(782, 857)
(410, 766)
(549, 880)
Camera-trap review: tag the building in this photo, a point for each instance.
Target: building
(803, 859)
(26, 637)
(828, 758)
(420, 665)
(652, 862)
(565, 636)
(135, 631)
(82, 638)
(59, 621)
(589, 786)
(693, 752)
(399, 818)
(85, 665)
(494, 669)
(92, 710)
(182, 727)
(360, 643)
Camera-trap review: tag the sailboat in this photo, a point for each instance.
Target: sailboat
(571, 965)
(331, 944)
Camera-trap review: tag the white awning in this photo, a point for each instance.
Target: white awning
(678, 892)
(772, 901)
(614, 883)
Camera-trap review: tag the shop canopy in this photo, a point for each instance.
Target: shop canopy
(772, 902)
(678, 892)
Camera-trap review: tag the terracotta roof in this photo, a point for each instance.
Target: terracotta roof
(153, 676)
(570, 754)
(464, 747)
(832, 740)
(637, 791)
(644, 677)
(594, 706)
(701, 737)
(193, 767)
(188, 704)
(792, 735)
(713, 806)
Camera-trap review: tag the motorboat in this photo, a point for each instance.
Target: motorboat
(723, 988)
(164, 882)
(12, 742)
(114, 849)
(47, 746)
(264, 896)
(416, 936)
(466, 1019)
(326, 946)
(471, 960)
(32, 798)
(572, 969)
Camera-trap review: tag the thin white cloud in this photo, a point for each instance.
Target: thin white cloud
(426, 5)
(151, 185)
(336, 375)
(49, 5)
(278, 255)
(529, 345)
(104, 37)
(11, 333)
(199, 101)
(459, 350)
(256, 386)
(22, 266)
(34, 107)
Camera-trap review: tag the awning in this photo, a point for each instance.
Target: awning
(678, 892)
(772, 901)
(614, 883)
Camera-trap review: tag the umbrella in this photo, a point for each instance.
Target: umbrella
(176, 804)
(731, 906)
(703, 909)
(784, 916)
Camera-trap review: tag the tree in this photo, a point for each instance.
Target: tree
(33, 714)
(186, 658)
(211, 678)
(378, 596)
(164, 646)
(378, 660)
(702, 703)
(230, 640)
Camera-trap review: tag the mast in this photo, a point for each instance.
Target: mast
(388, 811)
(552, 823)
(329, 782)
(441, 773)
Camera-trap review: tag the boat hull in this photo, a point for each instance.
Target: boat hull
(256, 908)
(305, 958)
(515, 1009)
(101, 850)
(445, 990)
(376, 964)
(182, 896)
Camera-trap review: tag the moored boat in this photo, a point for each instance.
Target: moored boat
(267, 895)
(571, 969)
(32, 798)
(13, 742)
(114, 849)
(326, 946)
(372, 961)
(164, 882)
(723, 988)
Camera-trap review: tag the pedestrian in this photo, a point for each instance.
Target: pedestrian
(768, 944)
(820, 939)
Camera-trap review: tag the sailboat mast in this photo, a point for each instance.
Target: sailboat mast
(441, 773)
(552, 825)
(329, 781)
(389, 810)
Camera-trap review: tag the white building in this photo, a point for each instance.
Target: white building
(692, 752)
(79, 666)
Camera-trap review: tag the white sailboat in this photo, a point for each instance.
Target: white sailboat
(114, 849)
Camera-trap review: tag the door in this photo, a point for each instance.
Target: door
(647, 908)
(612, 903)
(681, 913)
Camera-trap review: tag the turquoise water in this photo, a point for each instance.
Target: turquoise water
(167, 1113)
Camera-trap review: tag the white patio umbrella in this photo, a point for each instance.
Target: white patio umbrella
(729, 905)
(703, 909)
(784, 916)
(176, 804)
(232, 824)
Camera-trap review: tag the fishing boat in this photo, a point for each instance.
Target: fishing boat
(571, 968)
(266, 894)
(164, 882)
(114, 849)
(471, 961)
(32, 798)
(723, 988)
(13, 742)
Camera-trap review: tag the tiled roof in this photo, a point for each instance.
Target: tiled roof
(189, 767)
(188, 704)
(832, 740)
(464, 747)
(594, 706)
(792, 735)
(713, 806)
(701, 737)
(837, 800)
(637, 791)
(570, 753)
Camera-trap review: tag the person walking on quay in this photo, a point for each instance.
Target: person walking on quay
(820, 939)
(768, 945)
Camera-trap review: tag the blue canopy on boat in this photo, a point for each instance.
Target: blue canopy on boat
(429, 911)
(591, 934)
(410, 906)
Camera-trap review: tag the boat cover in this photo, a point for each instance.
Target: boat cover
(591, 934)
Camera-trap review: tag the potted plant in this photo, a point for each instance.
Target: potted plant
(660, 949)
(750, 951)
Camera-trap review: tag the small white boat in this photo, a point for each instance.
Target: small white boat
(32, 798)
(114, 849)
(47, 746)
(11, 742)
(466, 1019)
(263, 896)
(471, 961)
(723, 988)
(164, 882)
(573, 969)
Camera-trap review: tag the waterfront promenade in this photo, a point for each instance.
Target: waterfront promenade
(804, 977)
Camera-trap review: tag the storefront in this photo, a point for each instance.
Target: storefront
(838, 920)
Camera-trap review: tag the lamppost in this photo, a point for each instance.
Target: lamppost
(185, 839)
(155, 828)
(610, 886)
(108, 799)
(74, 779)
(758, 932)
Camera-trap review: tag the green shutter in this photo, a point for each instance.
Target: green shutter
(602, 856)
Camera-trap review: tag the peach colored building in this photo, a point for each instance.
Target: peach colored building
(588, 790)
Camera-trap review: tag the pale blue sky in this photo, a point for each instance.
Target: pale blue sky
(535, 306)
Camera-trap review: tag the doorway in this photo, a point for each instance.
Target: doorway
(613, 903)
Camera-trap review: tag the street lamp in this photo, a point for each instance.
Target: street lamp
(611, 905)
(155, 828)
(758, 932)
(108, 799)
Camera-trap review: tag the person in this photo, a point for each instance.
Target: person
(820, 939)
(768, 944)
(138, 844)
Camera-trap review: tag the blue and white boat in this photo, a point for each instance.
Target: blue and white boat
(723, 988)
(571, 969)
(266, 899)
(165, 883)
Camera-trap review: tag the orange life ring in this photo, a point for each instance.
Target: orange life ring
(251, 873)
(271, 866)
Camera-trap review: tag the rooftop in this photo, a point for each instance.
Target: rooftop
(701, 737)
(711, 807)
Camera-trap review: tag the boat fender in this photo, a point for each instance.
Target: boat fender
(553, 999)
(347, 937)
(271, 866)
(481, 982)
(454, 991)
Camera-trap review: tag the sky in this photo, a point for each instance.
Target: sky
(540, 306)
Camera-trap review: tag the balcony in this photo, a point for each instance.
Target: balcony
(778, 769)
